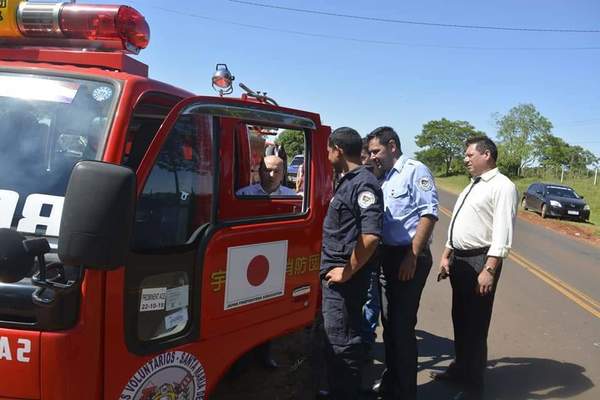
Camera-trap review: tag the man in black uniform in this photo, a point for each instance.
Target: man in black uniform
(351, 233)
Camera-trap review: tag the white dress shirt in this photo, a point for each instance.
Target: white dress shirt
(487, 218)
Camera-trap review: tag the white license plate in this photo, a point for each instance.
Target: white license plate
(571, 212)
(292, 178)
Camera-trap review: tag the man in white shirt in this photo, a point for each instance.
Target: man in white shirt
(271, 175)
(479, 238)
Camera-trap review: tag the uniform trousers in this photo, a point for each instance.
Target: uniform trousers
(399, 307)
(342, 309)
(471, 315)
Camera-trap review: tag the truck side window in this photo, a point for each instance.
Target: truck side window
(148, 115)
(176, 199)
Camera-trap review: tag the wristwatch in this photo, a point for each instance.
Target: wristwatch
(491, 270)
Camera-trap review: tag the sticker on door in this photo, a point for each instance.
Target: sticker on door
(172, 375)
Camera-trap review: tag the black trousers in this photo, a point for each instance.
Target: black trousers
(471, 315)
(399, 306)
(342, 306)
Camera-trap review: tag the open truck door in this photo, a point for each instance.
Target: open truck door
(213, 273)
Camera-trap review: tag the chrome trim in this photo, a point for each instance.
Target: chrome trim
(39, 19)
(252, 114)
(301, 291)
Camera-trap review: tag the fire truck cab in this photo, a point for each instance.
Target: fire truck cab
(131, 264)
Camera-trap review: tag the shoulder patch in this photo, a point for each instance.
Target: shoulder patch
(425, 184)
(366, 199)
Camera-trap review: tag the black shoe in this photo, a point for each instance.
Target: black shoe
(468, 395)
(447, 376)
(378, 388)
(269, 363)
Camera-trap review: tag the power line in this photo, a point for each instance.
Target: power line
(359, 40)
(410, 22)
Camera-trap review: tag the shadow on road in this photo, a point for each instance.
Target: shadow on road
(507, 378)
(300, 373)
(517, 378)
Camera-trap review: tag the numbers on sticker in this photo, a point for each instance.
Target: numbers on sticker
(151, 307)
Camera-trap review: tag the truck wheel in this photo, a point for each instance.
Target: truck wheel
(524, 204)
(544, 211)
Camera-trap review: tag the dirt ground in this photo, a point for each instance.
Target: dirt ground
(291, 381)
(578, 230)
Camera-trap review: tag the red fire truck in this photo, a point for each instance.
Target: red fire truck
(129, 266)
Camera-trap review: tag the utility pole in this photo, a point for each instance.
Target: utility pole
(562, 173)
(596, 176)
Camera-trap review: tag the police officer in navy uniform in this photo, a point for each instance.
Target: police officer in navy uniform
(351, 234)
(410, 213)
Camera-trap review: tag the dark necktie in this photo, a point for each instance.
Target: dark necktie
(475, 181)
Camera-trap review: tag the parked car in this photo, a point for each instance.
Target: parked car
(297, 161)
(552, 200)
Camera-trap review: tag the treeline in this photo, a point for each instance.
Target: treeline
(524, 138)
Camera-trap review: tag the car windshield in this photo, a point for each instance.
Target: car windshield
(297, 161)
(47, 124)
(562, 192)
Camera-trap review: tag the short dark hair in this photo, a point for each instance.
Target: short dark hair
(483, 144)
(385, 134)
(348, 140)
(365, 142)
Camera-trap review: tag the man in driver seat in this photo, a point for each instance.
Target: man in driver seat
(271, 175)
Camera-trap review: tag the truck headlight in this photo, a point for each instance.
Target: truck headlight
(586, 207)
(555, 203)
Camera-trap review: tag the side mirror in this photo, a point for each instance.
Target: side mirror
(580, 196)
(97, 217)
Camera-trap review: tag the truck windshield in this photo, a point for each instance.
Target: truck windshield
(47, 124)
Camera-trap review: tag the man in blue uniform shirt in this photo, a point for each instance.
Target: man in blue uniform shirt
(410, 212)
(351, 233)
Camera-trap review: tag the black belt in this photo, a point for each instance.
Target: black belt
(470, 252)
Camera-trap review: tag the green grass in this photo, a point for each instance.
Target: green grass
(584, 187)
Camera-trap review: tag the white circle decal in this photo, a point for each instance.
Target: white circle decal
(102, 93)
(175, 375)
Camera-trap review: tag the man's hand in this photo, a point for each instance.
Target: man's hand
(444, 268)
(408, 267)
(338, 275)
(485, 282)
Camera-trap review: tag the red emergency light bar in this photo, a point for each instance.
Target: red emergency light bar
(104, 27)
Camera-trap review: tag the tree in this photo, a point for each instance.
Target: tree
(433, 158)
(447, 138)
(293, 141)
(517, 131)
(580, 158)
(551, 151)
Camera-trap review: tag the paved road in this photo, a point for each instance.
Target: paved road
(545, 335)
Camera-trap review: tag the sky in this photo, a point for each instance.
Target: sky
(364, 72)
